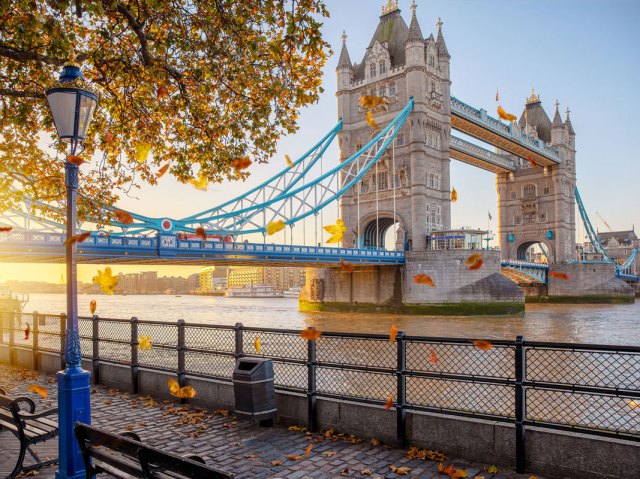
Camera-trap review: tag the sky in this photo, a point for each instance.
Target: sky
(585, 53)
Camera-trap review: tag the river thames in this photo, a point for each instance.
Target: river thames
(602, 324)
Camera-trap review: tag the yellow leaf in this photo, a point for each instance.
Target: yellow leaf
(38, 390)
(174, 387)
(401, 471)
(454, 195)
(256, 343)
(144, 343)
(274, 227)
(92, 306)
(287, 159)
(180, 392)
(329, 453)
(336, 231)
(142, 151)
(504, 115)
(370, 101)
(106, 280)
(370, 121)
(200, 184)
(491, 469)
(365, 472)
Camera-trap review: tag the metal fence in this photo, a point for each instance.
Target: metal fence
(593, 389)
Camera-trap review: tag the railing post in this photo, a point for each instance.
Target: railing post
(35, 319)
(312, 393)
(182, 364)
(520, 404)
(63, 340)
(135, 371)
(401, 393)
(12, 341)
(239, 341)
(95, 346)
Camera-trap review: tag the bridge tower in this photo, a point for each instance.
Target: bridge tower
(538, 207)
(409, 187)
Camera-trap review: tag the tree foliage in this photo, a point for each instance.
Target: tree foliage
(198, 83)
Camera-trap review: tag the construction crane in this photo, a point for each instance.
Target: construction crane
(604, 221)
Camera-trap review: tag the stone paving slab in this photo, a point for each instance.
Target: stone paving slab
(238, 446)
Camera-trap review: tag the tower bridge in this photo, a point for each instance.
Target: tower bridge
(395, 178)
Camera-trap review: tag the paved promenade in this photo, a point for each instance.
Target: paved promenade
(238, 446)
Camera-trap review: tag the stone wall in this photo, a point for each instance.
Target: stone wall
(586, 281)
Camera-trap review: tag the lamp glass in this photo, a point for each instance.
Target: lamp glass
(63, 109)
(87, 107)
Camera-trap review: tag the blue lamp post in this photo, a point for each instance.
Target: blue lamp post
(72, 104)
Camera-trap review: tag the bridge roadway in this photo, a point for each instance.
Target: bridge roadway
(35, 247)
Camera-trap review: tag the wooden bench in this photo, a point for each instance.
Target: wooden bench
(124, 455)
(29, 427)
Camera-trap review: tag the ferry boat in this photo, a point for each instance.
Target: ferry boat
(252, 291)
(12, 303)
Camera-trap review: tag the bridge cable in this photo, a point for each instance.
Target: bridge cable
(393, 182)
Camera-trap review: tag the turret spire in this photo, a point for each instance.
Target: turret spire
(415, 34)
(557, 121)
(344, 60)
(567, 123)
(440, 44)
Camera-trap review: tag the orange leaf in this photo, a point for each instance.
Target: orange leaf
(163, 92)
(241, 163)
(38, 390)
(108, 137)
(504, 115)
(174, 387)
(370, 101)
(346, 267)
(287, 159)
(482, 344)
(555, 274)
(293, 457)
(393, 333)
(497, 96)
(200, 184)
(459, 473)
(473, 258)
(307, 450)
(78, 238)
(276, 463)
(75, 160)
(5, 229)
(201, 233)
(27, 330)
(123, 217)
(162, 171)
(92, 306)
(454, 195)
(389, 404)
(310, 334)
(185, 392)
(401, 471)
(445, 470)
(370, 121)
(424, 279)
(477, 265)
(534, 164)
(433, 358)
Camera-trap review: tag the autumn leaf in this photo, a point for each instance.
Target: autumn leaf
(491, 469)
(448, 471)
(200, 184)
(346, 267)
(294, 457)
(276, 463)
(162, 171)
(424, 279)
(389, 404)
(534, 164)
(459, 473)
(251, 456)
(310, 334)
(370, 121)
(106, 280)
(201, 233)
(142, 151)
(78, 238)
(5, 229)
(240, 164)
(477, 265)
(274, 227)
(454, 195)
(336, 231)
(92, 306)
(375, 442)
(123, 217)
(257, 344)
(371, 101)
(307, 450)
(329, 453)
(180, 392)
(365, 472)
(497, 96)
(288, 161)
(555, 274)
(393, 333)
(38, 390)
(482, 344)
(144, 343)
(433, 358)
(504, 115)
(75, 160)
(424, 454)
(162, 92)
(473, 258)
(401, 471)
(27, 330)
(108, 137)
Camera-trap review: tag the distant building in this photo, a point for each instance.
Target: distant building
(148, 282)
(280, 278)
(193, 282)
(618, 245)
(457, 239)
(212, 278)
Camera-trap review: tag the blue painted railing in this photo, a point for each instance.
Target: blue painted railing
(537, 271)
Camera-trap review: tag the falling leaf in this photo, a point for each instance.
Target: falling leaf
(491, 469)
(287, 159)
(497, 96)
(78, 238)
(174, 387)
(393, 333)
(482, 344)
(424, 279)
(162, 171)
(142, 151)
(201, 233)
(108, 137)
(336, 231)
(477, 265)
(106, 280)
(274, 227)
(346, 267)
(276, 463)
(256, 343)
(310, 334)
(162, 92)
(92, 306)
(370, 121)
(633, 404)
(504, 115)
(123, 217)
(27, 330)
(180, 392)
(201, 183)
(433, 358)
(454, 195)
(38, 390)
(5, 229)
(329, 453)
(534, 164)
(75, 160)
(370, 101)
(555, 274)
(144, 343)
(401, 471)
(389, 404)
(473, 258)
(240, 164)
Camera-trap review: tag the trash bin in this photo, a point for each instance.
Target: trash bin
(254, 392)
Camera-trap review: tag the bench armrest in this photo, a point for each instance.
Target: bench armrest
(29, 401)
(40, 414)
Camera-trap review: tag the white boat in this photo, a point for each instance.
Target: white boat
(291, 293)
(252, 291)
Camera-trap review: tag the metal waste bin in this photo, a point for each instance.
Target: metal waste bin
(254, 391)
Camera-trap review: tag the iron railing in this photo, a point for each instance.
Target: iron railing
(587, 388)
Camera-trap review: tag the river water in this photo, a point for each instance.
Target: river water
(602, 324)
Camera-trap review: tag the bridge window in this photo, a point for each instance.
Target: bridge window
(530, 218)
(392, 89)
(372, 69)
(529, 191)
(383, 66)
(513, 195)
(380, 181)
(383, 90)
(547, 190)
(431, 61)
(433, 181)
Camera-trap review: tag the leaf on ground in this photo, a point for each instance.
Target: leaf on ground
(329, 453)
(107, 401)
(491, 469)
(298, 428)
(482, 344)
(276, 463)
(401, 471)
(365, 472)
(251, 456)
(375, 442)
(424, 454)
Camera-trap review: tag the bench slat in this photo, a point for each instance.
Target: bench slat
(111, 462)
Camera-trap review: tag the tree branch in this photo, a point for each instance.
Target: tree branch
(20, 94)
(137, 27)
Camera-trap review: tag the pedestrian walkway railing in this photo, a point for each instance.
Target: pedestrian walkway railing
(587, 388)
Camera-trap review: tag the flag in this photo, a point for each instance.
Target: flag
(490, 217)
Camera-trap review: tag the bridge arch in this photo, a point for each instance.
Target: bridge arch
(521, 248)
(374, 229)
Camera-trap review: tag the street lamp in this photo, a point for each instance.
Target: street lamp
(72, 104)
